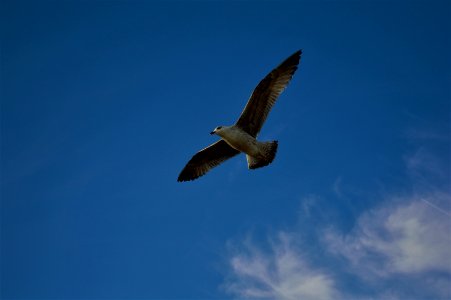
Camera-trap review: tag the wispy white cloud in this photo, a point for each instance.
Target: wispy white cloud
(400, 249)
(423, 164)
(403, 240)
(279, 273)
(408, 238)
(308, 203)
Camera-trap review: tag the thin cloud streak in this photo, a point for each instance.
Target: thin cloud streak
(436, 207)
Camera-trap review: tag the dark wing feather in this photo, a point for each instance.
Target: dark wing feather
(266, 94)
(206, 159)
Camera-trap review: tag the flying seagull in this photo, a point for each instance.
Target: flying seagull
(242, 136)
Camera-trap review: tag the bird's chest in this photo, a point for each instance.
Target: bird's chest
(241, 141)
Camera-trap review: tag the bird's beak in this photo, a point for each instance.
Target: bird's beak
(212, 132)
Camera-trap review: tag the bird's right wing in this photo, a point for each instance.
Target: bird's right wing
(207, 159)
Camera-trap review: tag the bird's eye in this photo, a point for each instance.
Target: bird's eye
(219, 127)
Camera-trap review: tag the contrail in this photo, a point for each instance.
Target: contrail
(436, 207)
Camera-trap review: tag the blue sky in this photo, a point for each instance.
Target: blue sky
(103, 103)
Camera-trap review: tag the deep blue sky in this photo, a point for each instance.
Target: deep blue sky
(103, 103)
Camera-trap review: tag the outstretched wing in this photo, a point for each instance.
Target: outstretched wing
(206, 159)
(265, 95)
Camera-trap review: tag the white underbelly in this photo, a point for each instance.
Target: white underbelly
(243, 142)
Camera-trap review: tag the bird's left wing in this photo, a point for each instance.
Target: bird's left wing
(266, 94)
(206, 159)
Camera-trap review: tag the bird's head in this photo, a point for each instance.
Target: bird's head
(217, 130)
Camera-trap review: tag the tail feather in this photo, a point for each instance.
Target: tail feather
(268, 153)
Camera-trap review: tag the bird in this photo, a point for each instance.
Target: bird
(241, 137)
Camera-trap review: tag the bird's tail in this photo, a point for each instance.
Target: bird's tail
(268, 152)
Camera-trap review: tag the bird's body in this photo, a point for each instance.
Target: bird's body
(258, 154)
(241, 137)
